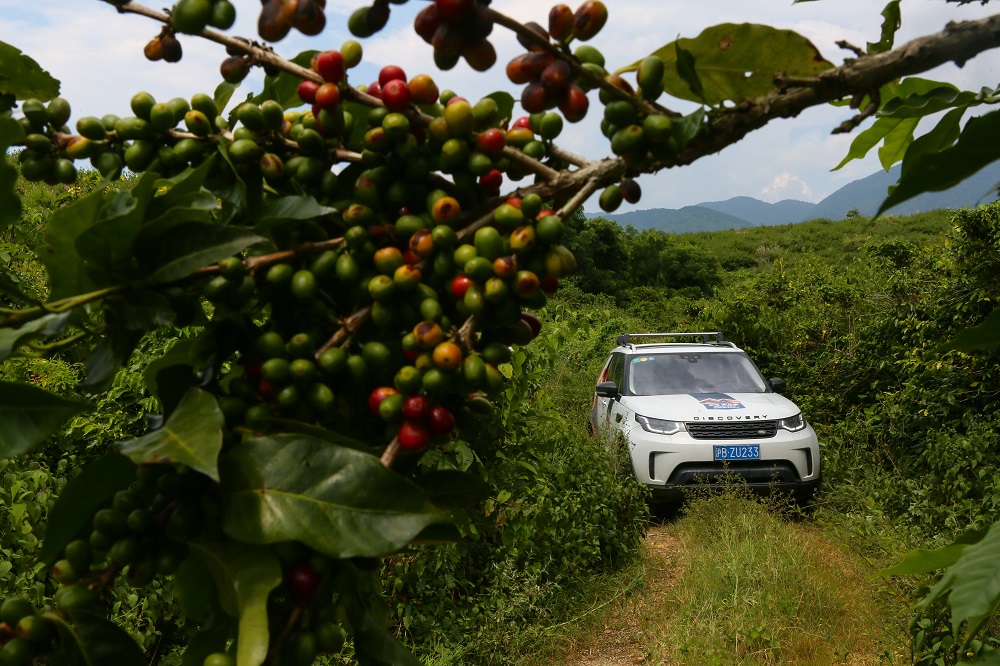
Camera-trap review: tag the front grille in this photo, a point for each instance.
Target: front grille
(756, 472)
(733, 430)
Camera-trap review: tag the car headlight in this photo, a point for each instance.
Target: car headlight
(659, 426)
(793, 423)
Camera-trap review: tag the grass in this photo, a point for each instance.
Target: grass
(738, 581)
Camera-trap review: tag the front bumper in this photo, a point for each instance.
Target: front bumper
(673, 464)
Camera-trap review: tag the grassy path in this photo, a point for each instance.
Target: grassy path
(732, 582)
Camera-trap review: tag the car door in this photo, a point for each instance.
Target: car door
(599, 413)
(617, 413)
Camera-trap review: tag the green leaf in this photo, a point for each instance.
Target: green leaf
(181, 187)
(872, 136)
(223, 93)
(932, 172)
(205, 643)
(66, 269)
(290, 426)
(188, 363)
(945, 96)
(11, 134)
(29, 416)
(195, 589)
(191, 436)
(12, 338)
(107, 358)
(291, 208)
(944, 135)
(991, 658)
(283, 88)
(505, 103)
(972, 584)
(687, 127)
(685, 65)
(895, 143)
(341, 502)
(82, 495)
(891, 22)
(94, 640)
(374, 646)
(451, 488)
(922, 560)
(983, 337)
(244, 576)
(731, 65)
(23, 78)
(106, 246)
(190, 246)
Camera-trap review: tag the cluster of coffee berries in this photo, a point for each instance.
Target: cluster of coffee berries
(24, 635)
(165, 47)
(278, 17)
(551, 81)
(192, 16)
(49, 151)
(140, 533)
(458, 29)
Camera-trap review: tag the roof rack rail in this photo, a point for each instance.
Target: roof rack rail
(713, 336)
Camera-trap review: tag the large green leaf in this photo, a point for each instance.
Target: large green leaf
(11, 134)
(972, 584)
(80, 498)
(945, 96)
(374, 646)
(51, 324)
(94, 640)
(22, 77)
(871, 137)
(341, 502)
(106, 246)
(289, 209)
(891, 21)
(984, 337)
(187, 247)
(896, 141)
(731, 64)
(29, 416)
(944, 135)
(244, 575)
(66, 269)
(191, 436)
(932, 172)
(922, 560)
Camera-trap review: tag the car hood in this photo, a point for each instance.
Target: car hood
(712, 406)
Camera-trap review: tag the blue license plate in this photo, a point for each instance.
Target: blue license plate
(737, 452)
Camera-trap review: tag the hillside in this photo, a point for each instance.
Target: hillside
(864, 195)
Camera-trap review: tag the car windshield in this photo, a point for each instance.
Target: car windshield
(693, 372)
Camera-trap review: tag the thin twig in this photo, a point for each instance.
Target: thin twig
(530, 163)
(577, 200)
(390, 453)
(351, 324)
(293, 619)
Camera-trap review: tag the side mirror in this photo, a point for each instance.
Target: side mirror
(607, 390)
(777, 384)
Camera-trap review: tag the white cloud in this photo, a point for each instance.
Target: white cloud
(787, 186)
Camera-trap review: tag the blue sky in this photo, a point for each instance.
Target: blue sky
(97, 54)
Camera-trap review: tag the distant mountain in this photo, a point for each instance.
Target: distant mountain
(759, 213)
(865, 195)
(679, 221)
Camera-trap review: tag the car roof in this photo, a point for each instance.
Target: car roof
(713, 347)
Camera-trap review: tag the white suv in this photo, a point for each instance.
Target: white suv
(693, 412)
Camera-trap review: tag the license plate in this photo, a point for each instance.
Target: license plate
(737, 452)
